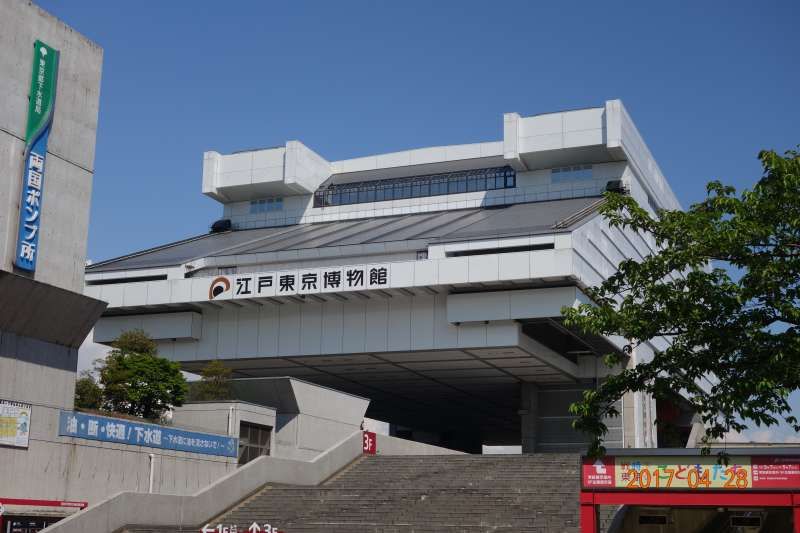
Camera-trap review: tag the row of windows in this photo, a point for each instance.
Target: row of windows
(266, 205)
(416, 187)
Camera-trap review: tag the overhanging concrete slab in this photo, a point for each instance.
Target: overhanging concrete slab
(512, 305)
(295, 396)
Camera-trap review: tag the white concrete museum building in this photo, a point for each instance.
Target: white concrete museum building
(429, 281)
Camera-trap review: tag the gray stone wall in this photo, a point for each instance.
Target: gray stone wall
(65, 468)
(70, 158)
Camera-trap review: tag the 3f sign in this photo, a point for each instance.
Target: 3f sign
(370, 443)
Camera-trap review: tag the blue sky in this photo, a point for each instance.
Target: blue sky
(708, 84)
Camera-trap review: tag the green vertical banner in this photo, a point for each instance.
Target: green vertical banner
(40, 118)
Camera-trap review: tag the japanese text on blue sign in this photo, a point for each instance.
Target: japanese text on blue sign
(86, 426)
(40, 118)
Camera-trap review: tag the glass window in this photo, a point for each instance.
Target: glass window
(254, 441)
(438, 186)
(476, 183)
(576, 172)
(366, 194)
(456, 185)
(265, 205)
(415, 187)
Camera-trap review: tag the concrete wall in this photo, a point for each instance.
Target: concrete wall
(283, 170)
(645, 167)
(180, 326)
(128, 508)
(599, 249)
(213, 416)
(388, 445)
(356, 326)
(302, 437)
(70, 159)
(66, 468)
(310, 418)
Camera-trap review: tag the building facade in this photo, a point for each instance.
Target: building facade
(54, 460)
(430, 281)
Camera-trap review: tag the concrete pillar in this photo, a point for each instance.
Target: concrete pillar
(697, 432)
(529, 413)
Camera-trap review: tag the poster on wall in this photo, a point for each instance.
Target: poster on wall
(15, 423)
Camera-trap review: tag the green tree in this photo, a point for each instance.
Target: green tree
(723, 287)
(137, 381)
(215, 383)
(88, 394)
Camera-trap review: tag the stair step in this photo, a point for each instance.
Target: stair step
(535, 493)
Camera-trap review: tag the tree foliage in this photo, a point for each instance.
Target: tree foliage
(137, 381)
(214, 384)
(723, 288)
(88, 394)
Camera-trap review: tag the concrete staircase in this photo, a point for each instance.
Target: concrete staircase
(423, 494)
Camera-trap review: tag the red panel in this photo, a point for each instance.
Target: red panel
(694, 499)
(598, 473)
(796, 501)
(370, 443)
(42, 503)
(797, 519)
(588, 518)
(776, 472)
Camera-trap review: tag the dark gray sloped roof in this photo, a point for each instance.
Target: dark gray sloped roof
(441, 226)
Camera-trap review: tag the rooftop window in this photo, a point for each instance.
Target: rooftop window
(484, 179)
(266, 205)
(577, 172)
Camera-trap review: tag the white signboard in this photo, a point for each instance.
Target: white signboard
(15, 423)
(299, 282)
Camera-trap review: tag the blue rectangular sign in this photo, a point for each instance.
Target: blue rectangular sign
(93, 427)
(41, 106)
